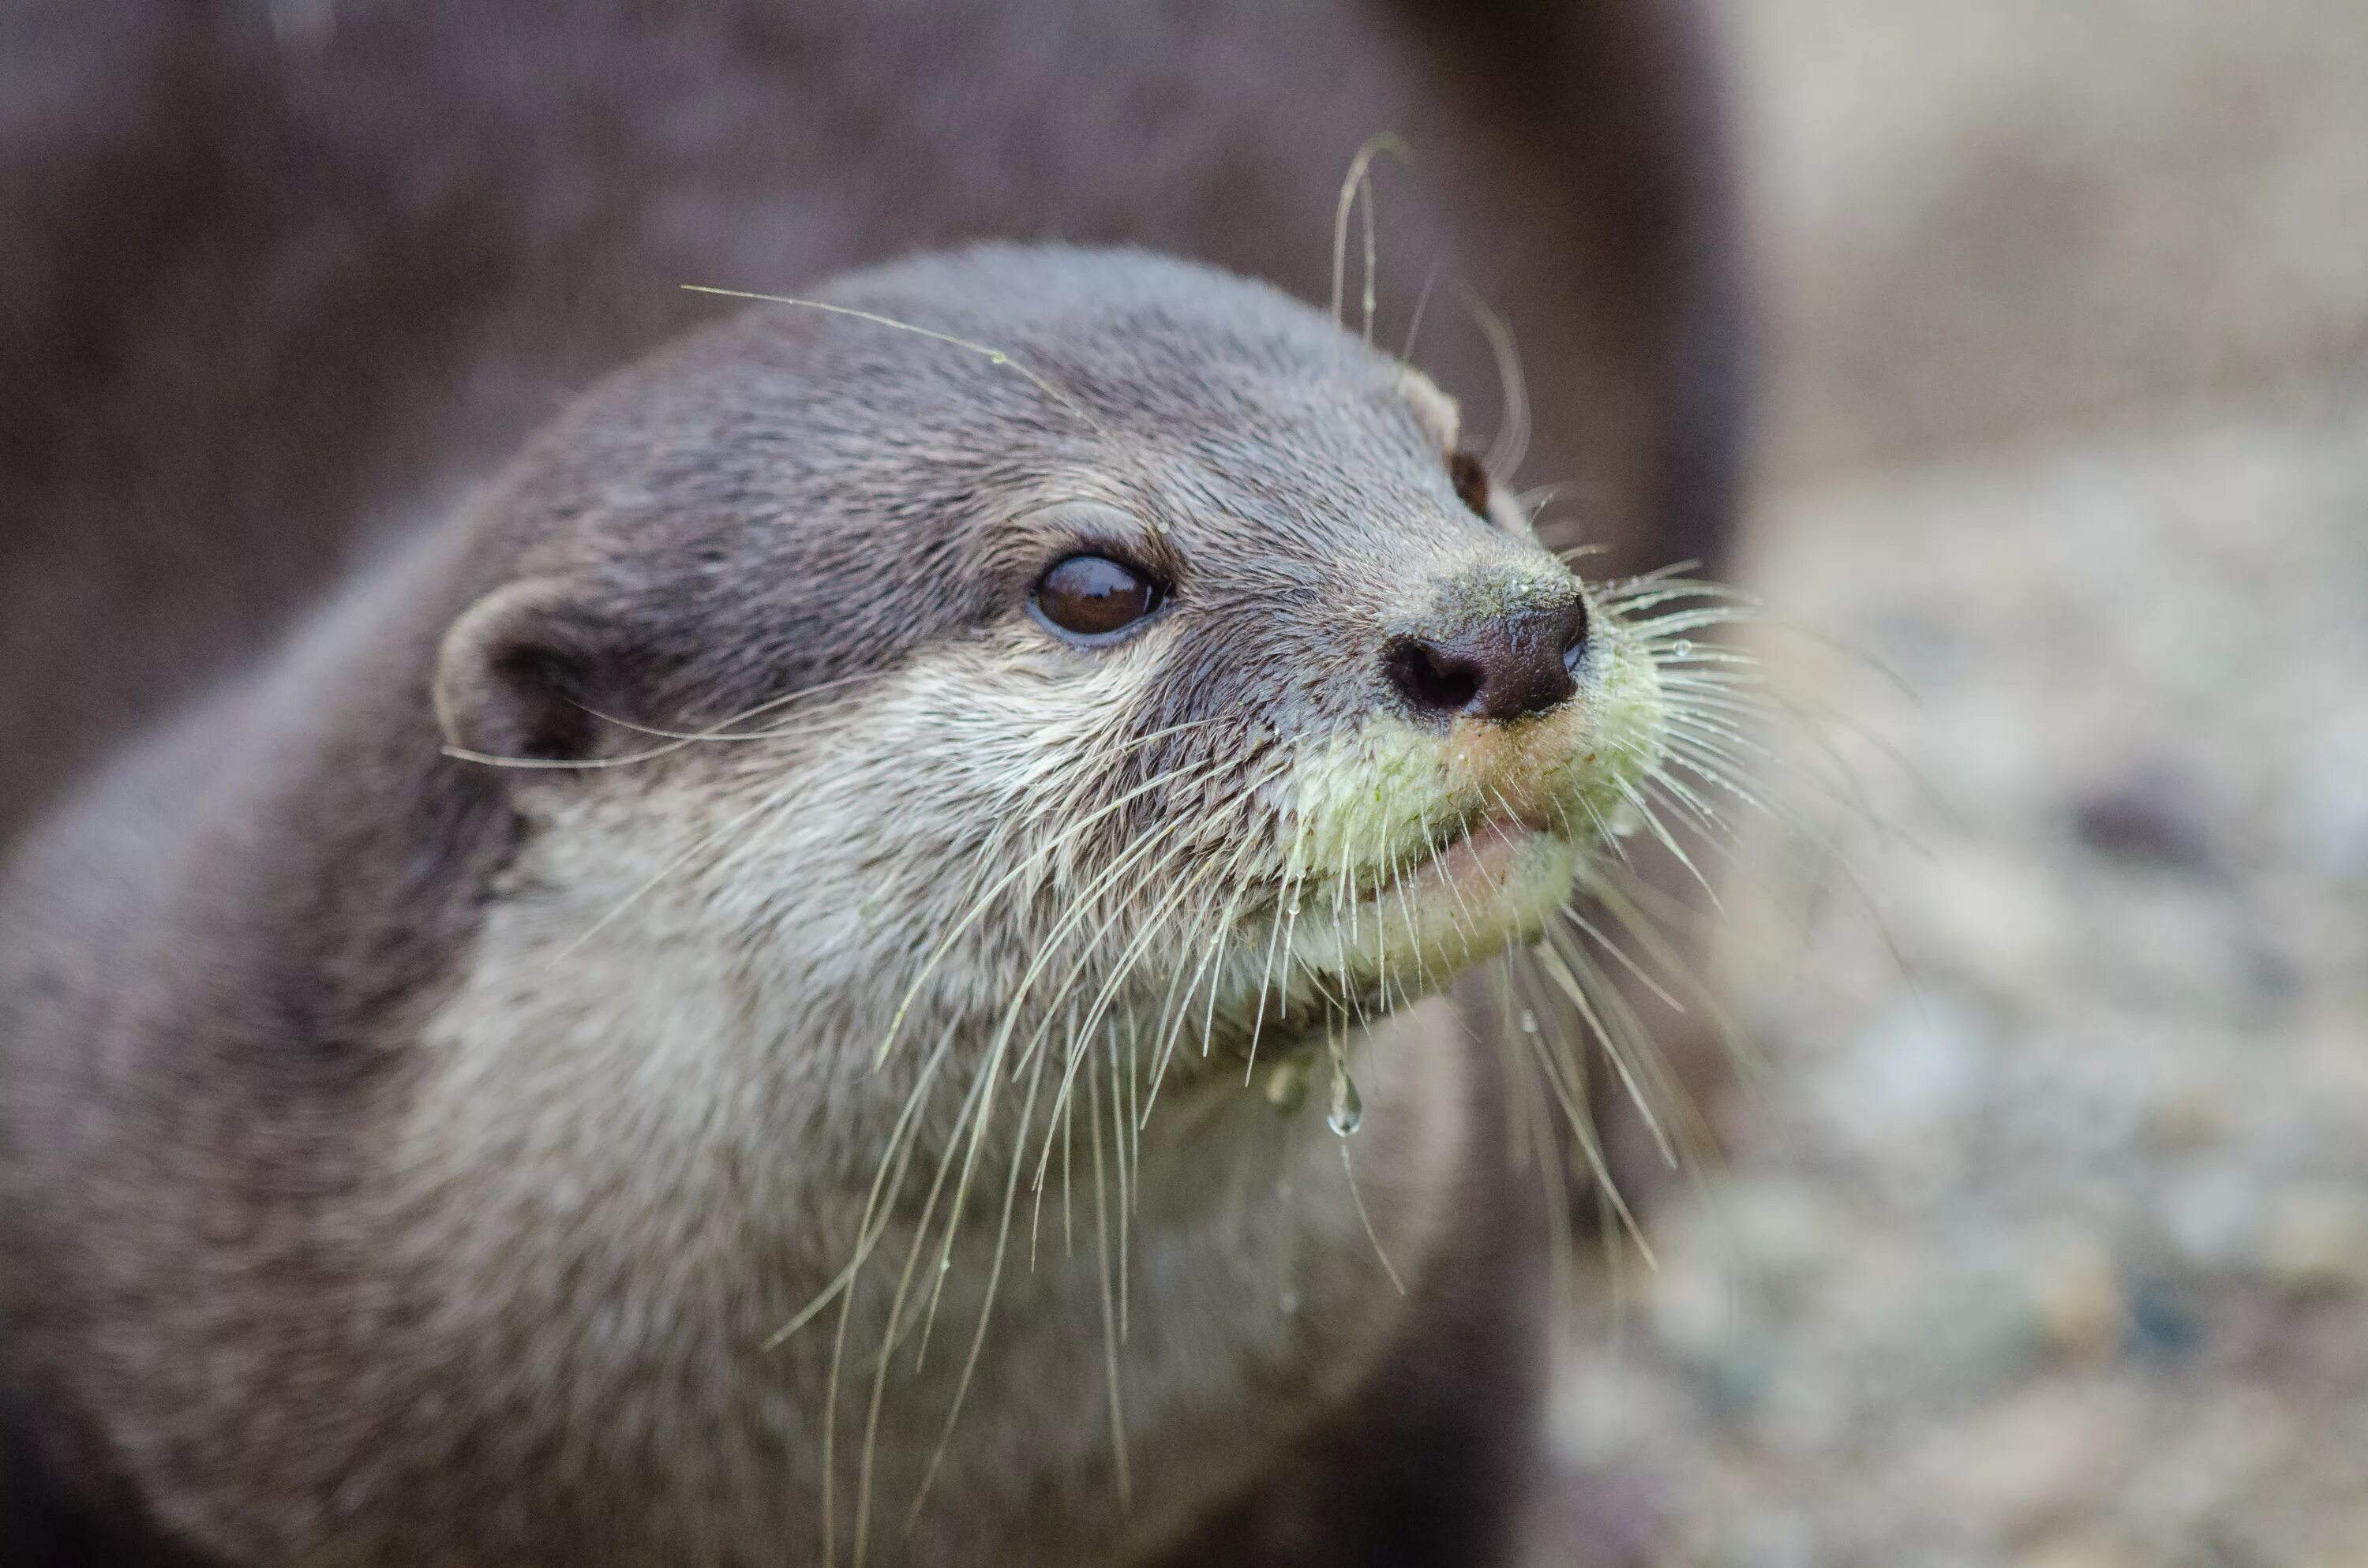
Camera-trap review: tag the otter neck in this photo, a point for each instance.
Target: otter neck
(699, 1129)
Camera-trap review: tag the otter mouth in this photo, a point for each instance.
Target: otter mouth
(1352, 947)
(1469, 860)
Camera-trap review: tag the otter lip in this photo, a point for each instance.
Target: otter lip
(1471, 860)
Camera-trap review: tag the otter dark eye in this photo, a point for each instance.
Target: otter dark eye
(1094, 598)
(1471, 481)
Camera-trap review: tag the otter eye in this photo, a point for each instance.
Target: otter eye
(1471, 481)
(1094, 598)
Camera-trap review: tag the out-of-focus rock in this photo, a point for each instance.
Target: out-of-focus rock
(2085, 1551)
(2038, 1459)
(2155, 817)
(2316, 1235)
(2078, 1292)
(2214, 1215)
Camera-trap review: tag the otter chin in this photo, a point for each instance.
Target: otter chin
(697, 1016)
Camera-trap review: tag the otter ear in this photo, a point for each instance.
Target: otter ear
(521, 672)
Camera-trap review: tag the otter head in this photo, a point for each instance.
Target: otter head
(1034, 682)
(1126, 650)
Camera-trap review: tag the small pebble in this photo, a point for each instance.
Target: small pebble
(2316, 1236)
(2154, 818)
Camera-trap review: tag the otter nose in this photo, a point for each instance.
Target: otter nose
(1503, 664)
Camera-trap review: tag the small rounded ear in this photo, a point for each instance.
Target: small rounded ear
(521, 673)
(1440, 415)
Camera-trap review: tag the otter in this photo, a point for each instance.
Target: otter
(844, 793)
(282, 290)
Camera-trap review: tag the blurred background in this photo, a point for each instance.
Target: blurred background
(2042, 1239)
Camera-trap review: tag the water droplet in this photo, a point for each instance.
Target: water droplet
(1294, 903)
(1681, 648)
(997, 356)
(1624, 820)
(1529, 1021)
(1347, 1111)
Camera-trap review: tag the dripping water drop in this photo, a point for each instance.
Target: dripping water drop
(1347, 1111)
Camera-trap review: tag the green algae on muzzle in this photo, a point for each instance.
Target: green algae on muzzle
(1415, 850)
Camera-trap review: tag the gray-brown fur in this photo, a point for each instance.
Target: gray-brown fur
(218, 958)
(217, 970)
(266, 299)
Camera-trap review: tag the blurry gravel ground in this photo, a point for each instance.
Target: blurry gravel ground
(2044, 1235)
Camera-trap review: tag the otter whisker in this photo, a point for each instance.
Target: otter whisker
(1000, 1048)
(1467, 923)
(1359, 179)
(898, 1149)
(1421, 305)
(1152, 927)
(985, 900)
(1068, 1230)
(1558, 961)
(1625, 901)
(1644, 809)
(1512, 440)
(1129, 1185)
(1173, 1020)
(980, 1086)
(997, 1051)
(1688, 801)
(1121, 972)
(769, 803)
(1571, 1095)
(721, 730)
(596, 763)
(1629, 1045)
(1710, 764)
(986, 1307)
(1110, 1330)
(1344, 891)
(1222, 930)
(1664, 631)
(1674, 572)
(1366, 1220)
(1289, 892)
(1530, 1122)
(1620, 955)
(992, 355)
(1384, 875)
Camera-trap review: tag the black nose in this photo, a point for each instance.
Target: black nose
(1502, 665)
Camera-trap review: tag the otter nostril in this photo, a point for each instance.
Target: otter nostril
(1429, 676)
(1504, 666)
(1573, 649)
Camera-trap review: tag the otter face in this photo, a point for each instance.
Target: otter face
(1170, 667)
(934, 753)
